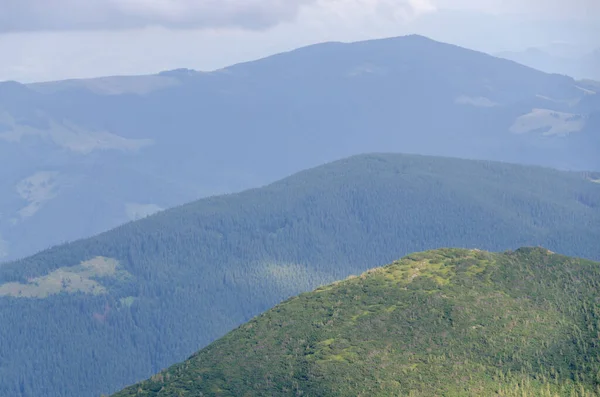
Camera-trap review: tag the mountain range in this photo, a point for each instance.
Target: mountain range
(96, 315)
(83, 156)
(564, 60)
(448, 322)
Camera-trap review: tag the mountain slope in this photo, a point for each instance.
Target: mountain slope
(127, 146)
(102, 313)
(447, 322)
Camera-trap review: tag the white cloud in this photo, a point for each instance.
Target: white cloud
(533, 8)
(35, 15)
(396, 10)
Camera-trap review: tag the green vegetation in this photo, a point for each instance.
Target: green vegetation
(450, 322)
(196, 272)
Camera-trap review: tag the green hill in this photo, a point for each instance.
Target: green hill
(449, 322)
(96, 315)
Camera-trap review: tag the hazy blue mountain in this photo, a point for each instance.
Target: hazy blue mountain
(564, 60)
(592, 65)
(96, 315)
(84, 155)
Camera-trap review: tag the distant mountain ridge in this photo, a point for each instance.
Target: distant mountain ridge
(572, 63)
(96, 315)
(125, 147)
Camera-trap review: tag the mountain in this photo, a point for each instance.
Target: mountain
(449, 322)
(83, 156)
(568, 61)
(96, 315)
(591, 63)
(544, 60)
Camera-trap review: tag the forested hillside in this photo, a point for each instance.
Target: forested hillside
(95, 315)
(441, 323)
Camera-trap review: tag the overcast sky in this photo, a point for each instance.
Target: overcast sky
(57, 39)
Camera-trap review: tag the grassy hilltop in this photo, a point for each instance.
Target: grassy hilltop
(449, 322)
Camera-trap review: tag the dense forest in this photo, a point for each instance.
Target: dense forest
(95, 315)
(440, 323)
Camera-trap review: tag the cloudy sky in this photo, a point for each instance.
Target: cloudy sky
(58, 39)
